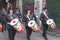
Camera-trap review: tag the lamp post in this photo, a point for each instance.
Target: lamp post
(7, 1)
(19, 4)
(38, 9)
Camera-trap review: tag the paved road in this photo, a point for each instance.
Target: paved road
(22, 36)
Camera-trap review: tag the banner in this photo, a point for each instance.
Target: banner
(38, 7)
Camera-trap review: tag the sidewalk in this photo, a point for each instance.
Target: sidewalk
(54, 32)
(34, 36)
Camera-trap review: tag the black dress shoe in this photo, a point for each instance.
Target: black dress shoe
(46, 39)
(44, 36)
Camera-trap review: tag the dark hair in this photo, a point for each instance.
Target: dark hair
(45, 8)
(18, 9)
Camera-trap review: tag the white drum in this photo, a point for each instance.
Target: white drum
(34, 26)
(15, 23)
(51, 23)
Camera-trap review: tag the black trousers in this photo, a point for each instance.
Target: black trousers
(11, 33)
(28, 32)
(45, 27)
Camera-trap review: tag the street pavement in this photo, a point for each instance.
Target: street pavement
(22, 36)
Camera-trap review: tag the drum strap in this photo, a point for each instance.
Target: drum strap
(28, 17)
(45, 14)
(11, 17)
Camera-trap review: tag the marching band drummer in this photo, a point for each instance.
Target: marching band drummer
(43, 18)
(27, 17)
(11, 30)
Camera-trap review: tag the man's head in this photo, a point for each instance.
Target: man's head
(45, 9)
(28, 12)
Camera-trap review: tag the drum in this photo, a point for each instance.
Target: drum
(15, 23)
(51, 23)
(1, 27)
(34, 26)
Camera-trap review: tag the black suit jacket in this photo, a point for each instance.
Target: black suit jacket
(43, 18)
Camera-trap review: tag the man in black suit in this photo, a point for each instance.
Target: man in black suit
(43, 18)
(3, 21)
(27, 17)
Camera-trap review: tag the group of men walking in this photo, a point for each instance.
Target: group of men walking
(7, 16)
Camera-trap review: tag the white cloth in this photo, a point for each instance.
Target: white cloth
(28, 17)
(45, 14)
